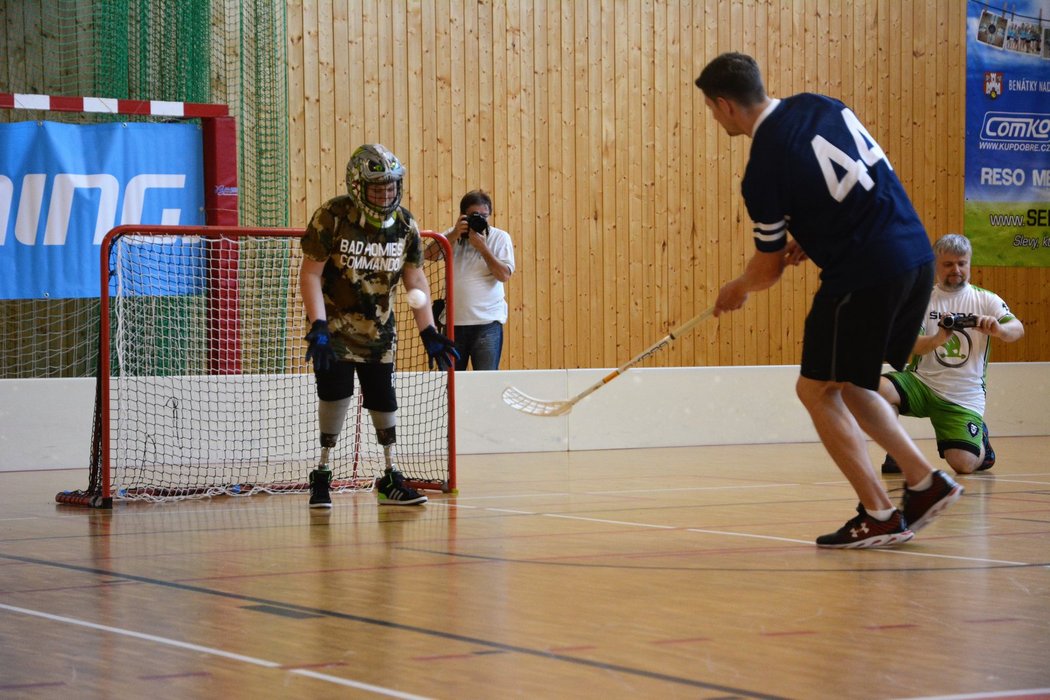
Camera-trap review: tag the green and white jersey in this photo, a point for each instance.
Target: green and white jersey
(362, 265)
(956, 371)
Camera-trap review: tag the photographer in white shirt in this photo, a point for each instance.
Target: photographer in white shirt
(482, 261)
(945, 380)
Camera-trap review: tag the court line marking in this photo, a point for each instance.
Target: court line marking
(735, 487)
(189, 646)
(626, 492)
(727, 533)
(1029, 693)
(387, 624)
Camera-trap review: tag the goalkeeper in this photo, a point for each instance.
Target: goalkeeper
(356, 249)
(945, 380)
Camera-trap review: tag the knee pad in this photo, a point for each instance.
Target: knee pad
(331, 415)
(386, 436)
(385, 423)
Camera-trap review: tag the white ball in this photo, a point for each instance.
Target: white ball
(417, 298)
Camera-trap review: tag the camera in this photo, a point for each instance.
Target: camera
(958, 321)
(477, 222)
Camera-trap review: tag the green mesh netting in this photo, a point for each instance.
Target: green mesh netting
(224, 51)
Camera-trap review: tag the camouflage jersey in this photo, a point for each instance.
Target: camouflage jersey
(362, 265)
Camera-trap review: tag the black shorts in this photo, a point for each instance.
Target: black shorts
(848, 337)
(377, 384)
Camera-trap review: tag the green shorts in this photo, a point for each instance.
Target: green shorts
(955, 426)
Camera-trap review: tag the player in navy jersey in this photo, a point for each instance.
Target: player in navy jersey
(818, 186)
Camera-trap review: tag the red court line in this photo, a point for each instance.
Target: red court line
(902, 626)
(692, 640)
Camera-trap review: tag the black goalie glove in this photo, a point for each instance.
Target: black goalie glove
(320, 349)
(439, 348)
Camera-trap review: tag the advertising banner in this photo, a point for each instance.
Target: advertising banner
(1007, 216)
(64, 186)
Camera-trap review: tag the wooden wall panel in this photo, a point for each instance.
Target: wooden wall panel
(581, 119)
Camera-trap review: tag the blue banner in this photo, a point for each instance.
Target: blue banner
(64, 186)
(1007, 211)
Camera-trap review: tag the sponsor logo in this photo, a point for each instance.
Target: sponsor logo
(993, 84)
(101, 191)
(1016, 127)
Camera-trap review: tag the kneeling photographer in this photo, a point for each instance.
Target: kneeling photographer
(482, 260)
(945, 380)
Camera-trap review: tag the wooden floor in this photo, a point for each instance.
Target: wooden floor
(671, 573)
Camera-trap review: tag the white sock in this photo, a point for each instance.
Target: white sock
(882, 515)
(924, 484)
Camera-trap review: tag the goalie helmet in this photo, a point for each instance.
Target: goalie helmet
(374, 164)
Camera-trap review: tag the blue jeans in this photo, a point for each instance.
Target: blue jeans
(482, 345)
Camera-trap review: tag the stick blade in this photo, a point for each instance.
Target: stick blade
(533, 406)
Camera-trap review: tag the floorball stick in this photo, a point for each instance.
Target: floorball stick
(539, 407)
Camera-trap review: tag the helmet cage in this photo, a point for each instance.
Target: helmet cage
(374, 164)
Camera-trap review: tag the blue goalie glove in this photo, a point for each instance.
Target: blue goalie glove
(439, 349)
(320, 348)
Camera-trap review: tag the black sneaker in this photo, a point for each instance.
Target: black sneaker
(865, 531)
(920, 507)
(890, 466)
(320, 479)
(391, 490)
(989, 453)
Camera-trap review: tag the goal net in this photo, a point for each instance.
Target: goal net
(202, 386)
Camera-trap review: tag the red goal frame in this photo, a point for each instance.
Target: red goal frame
(224, 348)
(219, 145)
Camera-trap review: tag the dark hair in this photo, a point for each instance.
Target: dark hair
(473, 198)
(734, 76)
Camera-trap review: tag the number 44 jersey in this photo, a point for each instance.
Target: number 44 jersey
(816, 172)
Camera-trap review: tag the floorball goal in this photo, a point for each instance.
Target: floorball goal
(202, 388)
